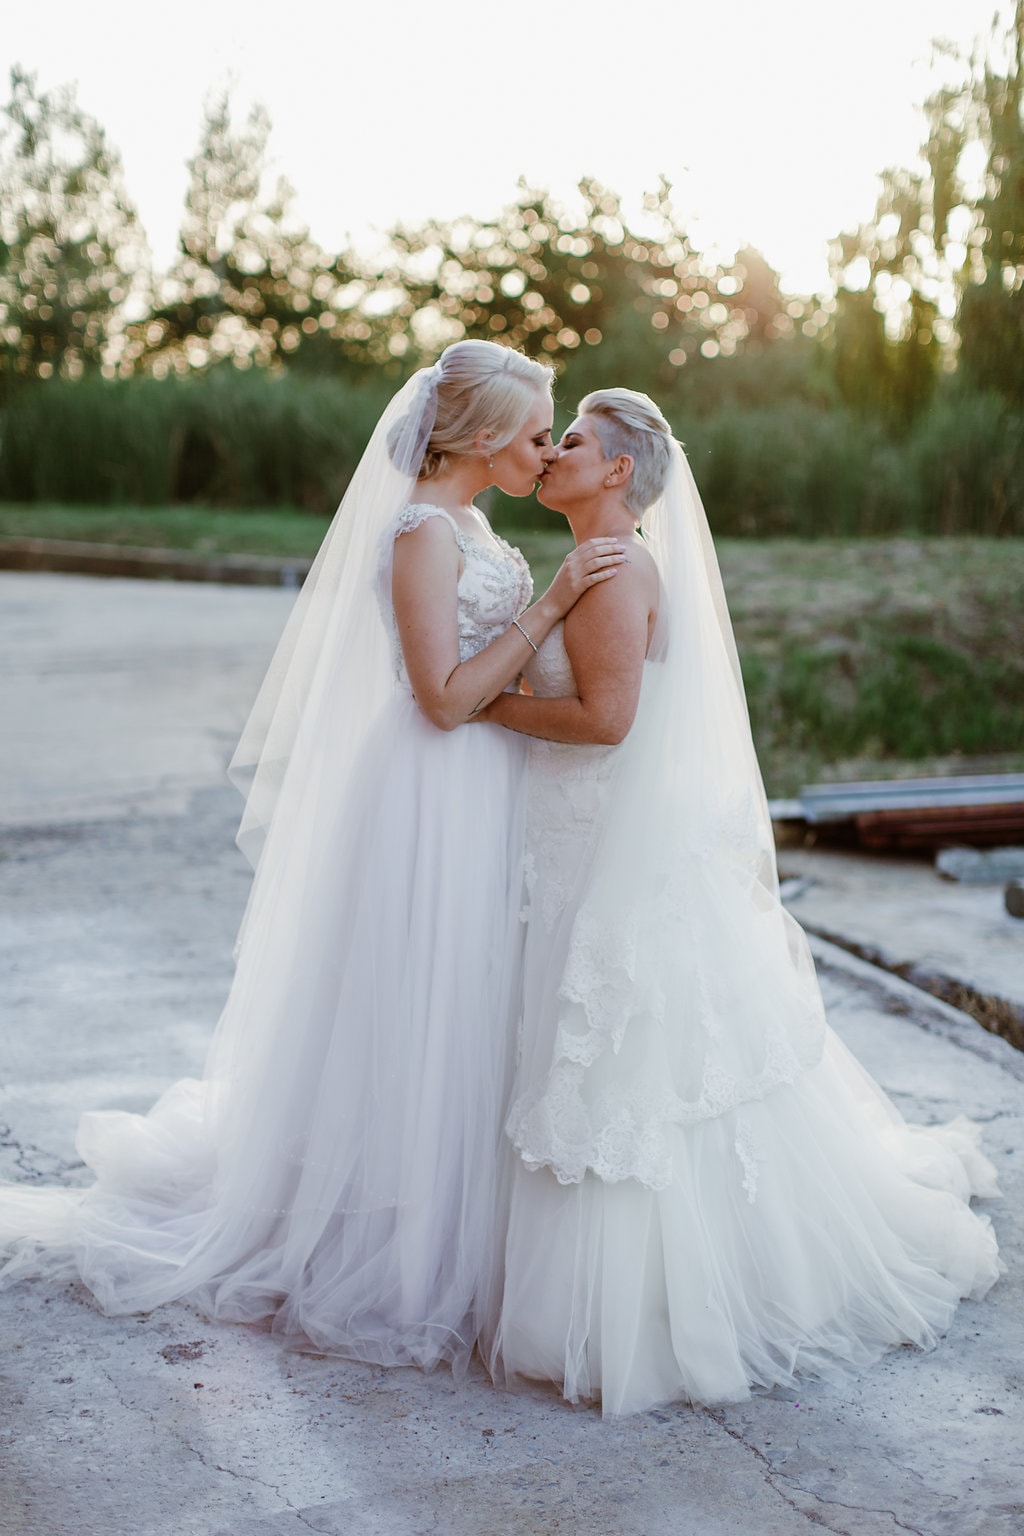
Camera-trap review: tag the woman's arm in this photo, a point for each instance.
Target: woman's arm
(606, 637)
(424, 587)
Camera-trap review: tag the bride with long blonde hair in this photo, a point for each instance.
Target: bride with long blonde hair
(335, 1169)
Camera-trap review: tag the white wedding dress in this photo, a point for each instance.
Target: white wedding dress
(780, 1218)
(335, 1171)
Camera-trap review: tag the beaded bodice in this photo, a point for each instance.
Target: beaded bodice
(494, 587)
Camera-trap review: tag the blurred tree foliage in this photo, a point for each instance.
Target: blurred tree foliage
(249, 284)
(892, 404)
(950, 237)
(70, 249)
(557, 282)
(991, 318)
(886, 336)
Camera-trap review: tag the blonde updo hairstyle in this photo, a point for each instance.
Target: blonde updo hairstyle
(482, 388)
(629, 422)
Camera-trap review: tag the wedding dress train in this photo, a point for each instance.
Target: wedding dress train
(335, 1170)
(707, 1193)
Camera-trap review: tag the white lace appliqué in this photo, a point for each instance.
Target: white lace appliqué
(494, 587)
(658, 1022)
(749, 1154)
(646, 1042)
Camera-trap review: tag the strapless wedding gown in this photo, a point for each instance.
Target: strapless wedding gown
(803, 1231)
(335, 1171)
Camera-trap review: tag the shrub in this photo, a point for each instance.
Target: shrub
(230, 439)
(798, 466)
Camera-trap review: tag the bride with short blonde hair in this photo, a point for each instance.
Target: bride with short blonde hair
(707, 1193)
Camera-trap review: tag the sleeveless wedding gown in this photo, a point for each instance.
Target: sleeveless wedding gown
(336, 1169)
(804, 1230)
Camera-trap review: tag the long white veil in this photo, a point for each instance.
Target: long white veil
(334, 647)
(687, 988)
(317, 1174)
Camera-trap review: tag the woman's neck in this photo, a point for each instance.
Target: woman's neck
(601, 520)
(457, 485)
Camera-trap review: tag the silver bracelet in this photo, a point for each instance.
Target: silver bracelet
(525, 636)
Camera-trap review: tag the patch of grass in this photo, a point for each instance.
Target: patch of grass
(198, 529)
(203, 530)
(879, 658)
(870, 658)
(863, 658)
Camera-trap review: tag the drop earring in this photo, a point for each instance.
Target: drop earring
(490, 462)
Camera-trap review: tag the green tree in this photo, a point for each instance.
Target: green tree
(933, 235)
(886, 336)
(990, 109)
(70, 246)
(756, 287)
(249, 284)
(559, 282)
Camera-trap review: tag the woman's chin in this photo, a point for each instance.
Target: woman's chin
(548, 496)
(517, 488)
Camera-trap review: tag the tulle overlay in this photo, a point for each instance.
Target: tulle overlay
(707, 1194)
(674, 1184)
(336, 1169)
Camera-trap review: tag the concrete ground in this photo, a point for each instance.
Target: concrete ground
(955, 940)
(120, 891)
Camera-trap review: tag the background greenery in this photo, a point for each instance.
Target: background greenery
(786, 466)
(862, 657)
(250, 373)
(223, 405)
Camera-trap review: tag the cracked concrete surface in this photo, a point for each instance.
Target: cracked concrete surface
(956, 941)
(117, 915)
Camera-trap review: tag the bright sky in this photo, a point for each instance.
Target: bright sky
(771, 120)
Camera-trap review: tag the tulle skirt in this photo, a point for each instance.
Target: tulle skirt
(336, 1169)
(799, 1233)
(847, 1232)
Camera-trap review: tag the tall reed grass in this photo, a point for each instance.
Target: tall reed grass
(800, 467)
(233, 439)
(797, 471)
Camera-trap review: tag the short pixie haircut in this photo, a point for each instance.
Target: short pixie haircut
(628, 422)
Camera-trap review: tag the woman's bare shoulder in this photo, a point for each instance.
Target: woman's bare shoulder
(426, 515)
(623, 600)
(635, 583)
(643, 562)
